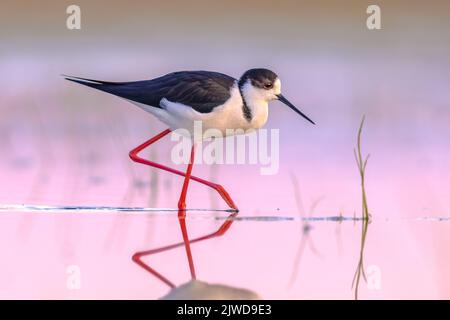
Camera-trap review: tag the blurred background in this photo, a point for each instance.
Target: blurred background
(64, 144)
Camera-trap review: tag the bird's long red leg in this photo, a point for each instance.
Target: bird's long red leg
(221, 231)
(136, 158)
(182, 212)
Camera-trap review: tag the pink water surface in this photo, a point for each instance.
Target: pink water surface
(63, 144)
(75, 165)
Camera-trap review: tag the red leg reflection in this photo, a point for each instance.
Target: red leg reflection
(137, 257)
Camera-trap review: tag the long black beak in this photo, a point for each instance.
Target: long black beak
(290, 105)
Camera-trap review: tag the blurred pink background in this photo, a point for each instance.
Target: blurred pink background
(64, 144)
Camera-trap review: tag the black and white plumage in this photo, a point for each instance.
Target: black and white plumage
(218, 100)
(201, 90)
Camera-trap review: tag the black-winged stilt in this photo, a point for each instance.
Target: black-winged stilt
(217, 100)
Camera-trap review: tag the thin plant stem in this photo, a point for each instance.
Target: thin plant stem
(365, 216)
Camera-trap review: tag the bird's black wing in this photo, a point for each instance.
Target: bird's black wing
(201, 90)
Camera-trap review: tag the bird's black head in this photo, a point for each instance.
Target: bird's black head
(259, 78)
(263, 85)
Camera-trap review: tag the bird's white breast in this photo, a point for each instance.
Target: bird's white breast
(230, 115)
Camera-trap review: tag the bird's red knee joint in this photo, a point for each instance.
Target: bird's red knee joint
(133, 155)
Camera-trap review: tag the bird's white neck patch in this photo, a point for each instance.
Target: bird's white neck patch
(256, 101)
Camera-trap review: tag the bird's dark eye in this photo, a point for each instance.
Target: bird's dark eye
(268, 85)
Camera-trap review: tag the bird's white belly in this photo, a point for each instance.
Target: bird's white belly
(227, 119)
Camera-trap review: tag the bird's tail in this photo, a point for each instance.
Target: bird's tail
(126, 90)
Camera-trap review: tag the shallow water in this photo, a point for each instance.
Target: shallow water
(74, 205)
(40, 246)
(74, 208)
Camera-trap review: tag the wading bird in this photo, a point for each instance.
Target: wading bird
(179, 99)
